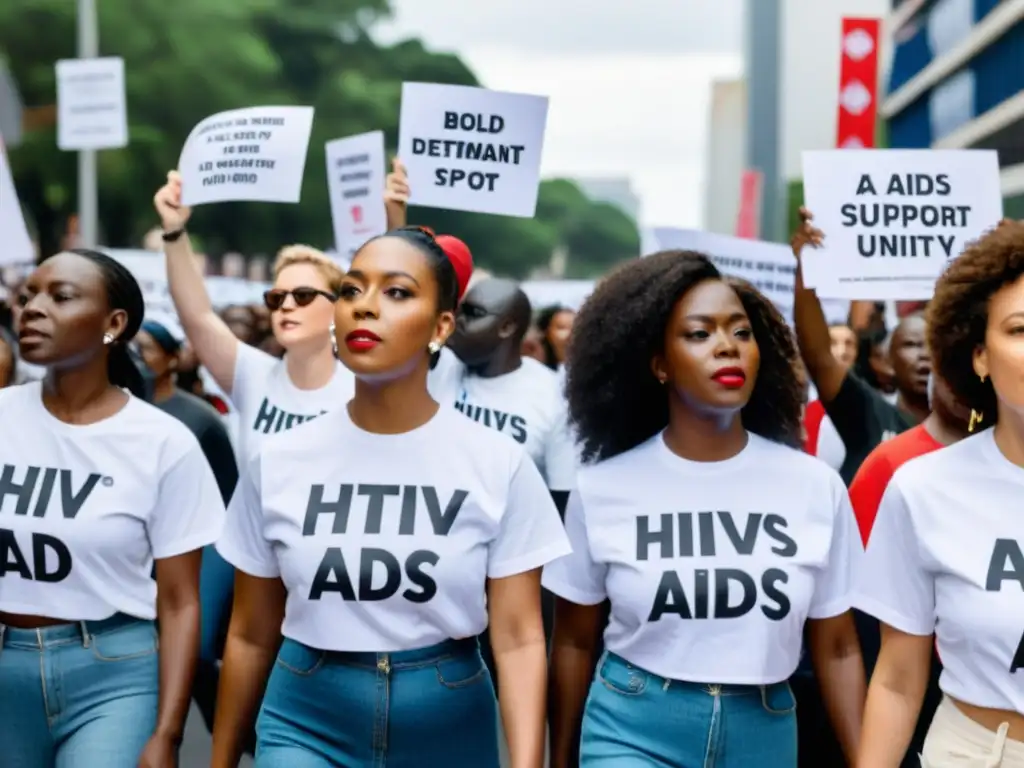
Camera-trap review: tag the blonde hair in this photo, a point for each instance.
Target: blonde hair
(306, 254)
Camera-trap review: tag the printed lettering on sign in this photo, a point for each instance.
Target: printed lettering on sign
(508, 423)
(894, 218)
(702, 534)
(472, 149)
(1007, 565)
(381, 574)
(355, 181)
(271, 419)
(256, 154)
(39, 491)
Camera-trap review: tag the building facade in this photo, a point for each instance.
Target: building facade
(957, 82)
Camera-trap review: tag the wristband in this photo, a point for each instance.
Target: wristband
(170, 237)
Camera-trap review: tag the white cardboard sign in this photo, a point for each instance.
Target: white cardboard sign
(92, 108)
(472, 149)
(355, 181)
(15, 243)
(255, 154)
(769, 267)
(893, 219)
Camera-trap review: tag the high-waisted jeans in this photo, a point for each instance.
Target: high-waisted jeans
(80, 695)
(956, 741)
(635, 719)
(427, 708)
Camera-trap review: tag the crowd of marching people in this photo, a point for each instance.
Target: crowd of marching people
(394, 516)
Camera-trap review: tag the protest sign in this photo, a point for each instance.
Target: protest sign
(255, 154)
(894, 218)
(769, 267)
(16, 245)
(355, 181)
(471, 149)
(150, 270)
(92, 111)
(564, 293)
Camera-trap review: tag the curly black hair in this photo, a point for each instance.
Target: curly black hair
(958, 313)
(616, 403)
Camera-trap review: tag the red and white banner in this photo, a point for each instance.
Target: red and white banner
(748, 218)
(858, 84)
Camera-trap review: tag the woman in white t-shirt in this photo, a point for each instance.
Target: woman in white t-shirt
(945, 561)
(387, 535)
(268, 394)
(714, 540)
(96, 486)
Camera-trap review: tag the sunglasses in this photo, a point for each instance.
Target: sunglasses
(274, 298)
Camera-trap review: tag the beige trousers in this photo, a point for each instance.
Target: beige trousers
(956, 741)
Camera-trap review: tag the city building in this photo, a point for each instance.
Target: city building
(957, 81)
(614, 191)
(725, 159)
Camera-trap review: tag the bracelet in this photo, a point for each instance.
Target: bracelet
(170, 237)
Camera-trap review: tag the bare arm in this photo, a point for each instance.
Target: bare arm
(573, 652)
(811, 327)
(396, 195)
(894, 698)
(177, 607)
(253, 639)
(214, 344)
(520, 654)
(835, 652)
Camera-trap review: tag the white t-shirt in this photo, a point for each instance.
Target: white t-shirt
(84, 509)
(385, 542)
(711, 568)
(946, 556)
(268, 402)
(526, 404)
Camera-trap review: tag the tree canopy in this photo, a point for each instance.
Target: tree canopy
(190, 59)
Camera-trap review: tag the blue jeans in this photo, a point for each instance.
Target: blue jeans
(428, 708)
(80, 695)
(635, 719)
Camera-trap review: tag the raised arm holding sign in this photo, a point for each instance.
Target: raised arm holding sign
(255, 154)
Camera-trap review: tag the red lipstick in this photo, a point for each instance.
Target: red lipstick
(362, 340)
(730, 378)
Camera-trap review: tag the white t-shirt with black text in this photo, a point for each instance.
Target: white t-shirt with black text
(268, 402)
(85, 509)
(946, 556)
(526, 404)
(711, 568)
(385, 542)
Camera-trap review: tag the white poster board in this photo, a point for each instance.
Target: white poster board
(255, 154)
(92, 108)
(472, 149)
(16, 245)
(355, 182)
(151, 272)
(769, 267)
(893, 219)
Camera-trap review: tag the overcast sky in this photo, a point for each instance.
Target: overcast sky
(628, 82)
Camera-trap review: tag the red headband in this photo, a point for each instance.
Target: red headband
(462, 260)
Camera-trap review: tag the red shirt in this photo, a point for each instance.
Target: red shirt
(878, 468)
(814, 414)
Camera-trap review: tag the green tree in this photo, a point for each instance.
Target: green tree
(190, 59)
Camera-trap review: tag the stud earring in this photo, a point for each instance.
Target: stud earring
(334, 341)
(433, 347)
(108, 339)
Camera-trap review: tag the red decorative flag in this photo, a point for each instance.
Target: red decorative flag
(748, 218)
(858, 84)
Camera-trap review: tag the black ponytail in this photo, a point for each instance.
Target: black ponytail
(124, 293)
